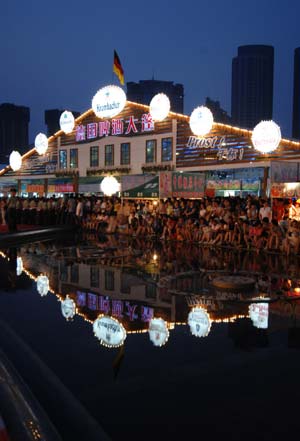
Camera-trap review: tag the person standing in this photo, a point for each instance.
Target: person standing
(12, 211)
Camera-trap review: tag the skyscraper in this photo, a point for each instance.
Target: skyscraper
(14, 122)
(252, 85)
(296, 95)
(143, 91)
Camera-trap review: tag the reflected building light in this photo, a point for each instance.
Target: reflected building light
(110, 332)
(42, 285)
(158, 331)
(199, 322)
(19, 268)
(68, 308)
(259, 314)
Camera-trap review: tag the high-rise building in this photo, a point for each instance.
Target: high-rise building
(52, 120)
(143, 91)
(14, 121)
(220, 115)
(252, 85)
(296, 95)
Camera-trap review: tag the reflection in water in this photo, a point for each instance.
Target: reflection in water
(19, 268)
(158, 332)
(199, 322)
(42, 285)
(259, 314)
(123, 287)
(109, 331)
(68, 308)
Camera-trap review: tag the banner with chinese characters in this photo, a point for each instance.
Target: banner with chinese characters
(285, 190)
(130, 125)
(60, 186)
(33, 186)
(181, 185)
(140, 186)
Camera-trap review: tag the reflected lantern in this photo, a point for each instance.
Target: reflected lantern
(42, 285)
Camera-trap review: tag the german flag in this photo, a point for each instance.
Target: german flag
(118, 69)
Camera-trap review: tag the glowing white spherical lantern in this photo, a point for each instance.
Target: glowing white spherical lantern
(68, 308)
(201, 121)
(67, 122)
(42, 285)
(19, 268)
(109, 331)
(159, 107)
(110, 185)
(15, 160)
(109, 101)
(266, 136)
(158, 331)
(199, 322)
(41, 143)
(259, 314)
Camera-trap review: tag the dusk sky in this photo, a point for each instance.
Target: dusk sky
(57, 54)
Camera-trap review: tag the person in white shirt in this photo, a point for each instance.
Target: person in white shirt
(265, 211)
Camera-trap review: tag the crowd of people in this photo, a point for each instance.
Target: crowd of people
(234, 222)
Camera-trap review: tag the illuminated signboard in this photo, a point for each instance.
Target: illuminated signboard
(41, 143)
(199, 322)
(159, 107)
(218, 143)
(109, 331)
(117, 126)
(201, 121)
(266, 136)
(67, 122)
(109, 101)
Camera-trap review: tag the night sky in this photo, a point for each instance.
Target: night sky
(57, 54)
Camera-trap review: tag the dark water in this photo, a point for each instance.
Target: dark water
(240, 380)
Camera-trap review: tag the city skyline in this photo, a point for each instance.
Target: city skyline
(62, 66)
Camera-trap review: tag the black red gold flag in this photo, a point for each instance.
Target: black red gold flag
(118, 69)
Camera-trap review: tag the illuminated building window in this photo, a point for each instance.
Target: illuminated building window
(125, 153)
(94, 156)
(150, 151)
(166, 149)
(63, 161)
(74, 158)
(109, 154)
(109, 280)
